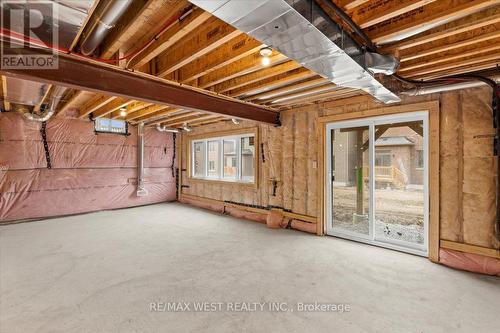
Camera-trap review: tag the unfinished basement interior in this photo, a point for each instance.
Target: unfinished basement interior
(249, 166)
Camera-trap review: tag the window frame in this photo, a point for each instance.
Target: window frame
(236, 136)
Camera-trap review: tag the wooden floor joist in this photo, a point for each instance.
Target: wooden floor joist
(430, 15)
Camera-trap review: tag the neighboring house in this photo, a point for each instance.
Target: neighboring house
(399, 159)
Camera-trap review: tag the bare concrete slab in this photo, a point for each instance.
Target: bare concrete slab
(114, 271)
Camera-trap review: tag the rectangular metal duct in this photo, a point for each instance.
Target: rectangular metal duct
(294, 32)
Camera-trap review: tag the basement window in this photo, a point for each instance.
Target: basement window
(106, 125)
(227, 158)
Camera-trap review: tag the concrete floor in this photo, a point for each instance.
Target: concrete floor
(99, 273)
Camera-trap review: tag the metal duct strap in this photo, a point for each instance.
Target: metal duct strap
(43, 132)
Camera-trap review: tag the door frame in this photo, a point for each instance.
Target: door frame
(433, 161)
(371, 237)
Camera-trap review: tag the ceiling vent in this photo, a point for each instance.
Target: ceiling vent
(301, 33)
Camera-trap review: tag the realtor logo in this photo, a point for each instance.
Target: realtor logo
(28, 24)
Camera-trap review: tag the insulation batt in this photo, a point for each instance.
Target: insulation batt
(89, 172)
(470, 262)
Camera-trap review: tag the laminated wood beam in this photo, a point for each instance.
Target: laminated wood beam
(212, 34)
(469, 23)
(146, 111)
(256, 76)
(156, 115)
(238, 68)
(131, 108)
(375, 12)
(426, 50)
(273, 82)
(179, 30)
(225, 54)
(69, 99)
(334, 93)
(116, 104)
(94, 104)
(349, 4)
(495, 57)
(176, 117)
(425, 18)
(473, 50)
(288, 89)
(194, 120)
(109, 80)
(206, 122)
(6, 104)
(302, 94)
(461, 70)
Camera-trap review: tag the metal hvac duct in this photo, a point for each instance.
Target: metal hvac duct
(106, 21)
(55, 22)
(304, 35)
(141, 190)
(25, 92)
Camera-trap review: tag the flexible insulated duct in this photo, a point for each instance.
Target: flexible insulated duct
(56, 98)
(166, 129)
(104, 23)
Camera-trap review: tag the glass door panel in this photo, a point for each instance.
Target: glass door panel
(377, 181)
(350, 180)
(399, 183)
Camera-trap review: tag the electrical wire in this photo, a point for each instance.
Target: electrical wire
(35, 41)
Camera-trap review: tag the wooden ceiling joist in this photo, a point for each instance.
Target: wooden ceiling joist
(179, 30)
(423, 51)
(210, 121)
(425, 18)
(131, 108)
(157, 115)
(238, 68)
(262, 97)
(494, 56)
(256, 76)
(6, 104)
(273, 82)
(225, 54)
(473, 50)
(95, 104)
(192, 121)
(153, 109)
(303, 94)
(173, 118)
(115, 105)
(349, 5)
(375, 12)
(462, 70)
(205, 38)
(81, 74)
(466, 24)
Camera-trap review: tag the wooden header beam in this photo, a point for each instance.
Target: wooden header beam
(109, 80)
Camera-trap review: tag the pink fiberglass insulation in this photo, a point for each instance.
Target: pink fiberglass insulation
(470, 262)
(89, 171)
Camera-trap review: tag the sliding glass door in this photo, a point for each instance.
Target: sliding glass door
(377, 181)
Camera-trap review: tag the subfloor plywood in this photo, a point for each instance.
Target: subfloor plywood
(99, 272)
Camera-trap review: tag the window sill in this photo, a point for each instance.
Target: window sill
(223, 181)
